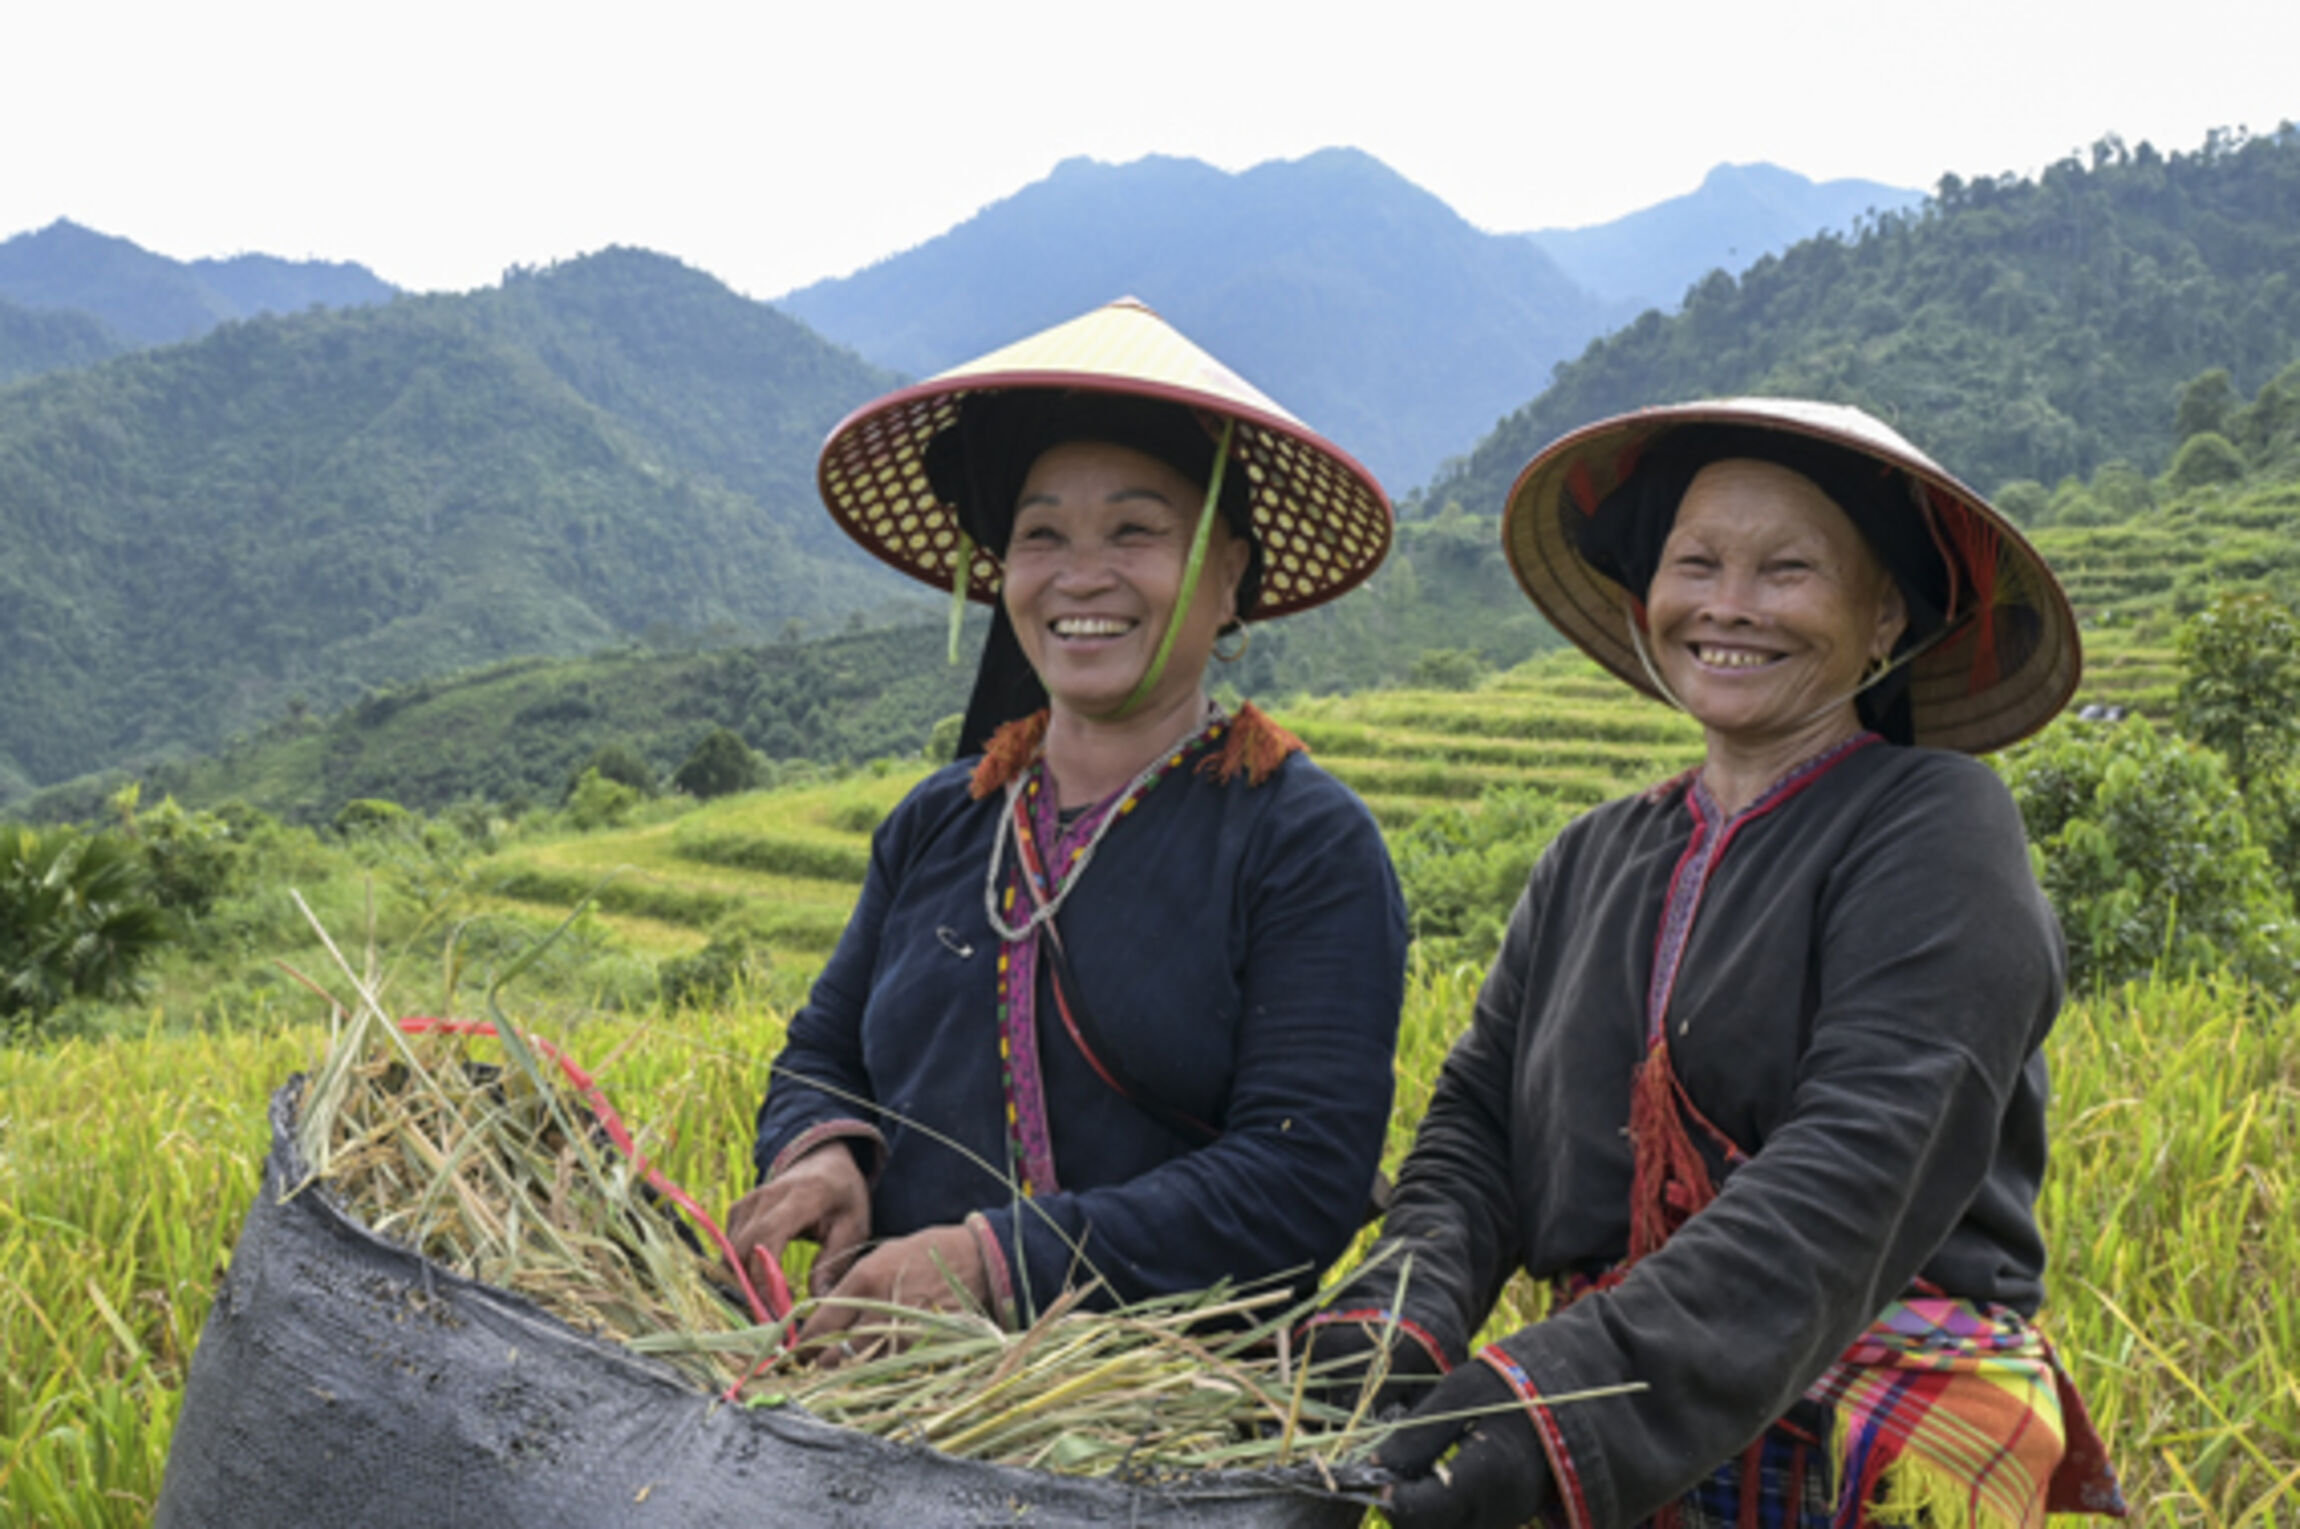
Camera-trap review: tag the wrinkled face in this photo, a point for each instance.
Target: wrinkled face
(1768, 605)
(1101, 533)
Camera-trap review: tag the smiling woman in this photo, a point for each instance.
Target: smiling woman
(1756, 1084)
(1015, 1076)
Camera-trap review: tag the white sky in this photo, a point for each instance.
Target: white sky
(771, 144)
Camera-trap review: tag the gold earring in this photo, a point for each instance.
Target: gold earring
(1245, 641)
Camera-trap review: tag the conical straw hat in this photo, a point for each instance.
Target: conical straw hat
(1323, 522)
(1999, 674)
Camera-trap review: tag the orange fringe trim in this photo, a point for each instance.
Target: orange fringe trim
(1008, 754)
(1252, 744)
(1255, 744)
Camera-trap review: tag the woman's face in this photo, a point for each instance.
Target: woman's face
(1768, 605)
(1093, 570)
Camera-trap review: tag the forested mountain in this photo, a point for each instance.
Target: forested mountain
(312, 507)
(35, 340)
(1357, 300)
(1739, 214)
(149, 299)
(2014, 328)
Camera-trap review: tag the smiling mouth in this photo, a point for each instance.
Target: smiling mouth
(1711, 657)
(1090, 626)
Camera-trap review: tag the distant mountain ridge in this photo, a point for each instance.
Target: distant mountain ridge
(149, 299)
(2014, 328)
(1738, 215)
(310, 507)
(1356, 299)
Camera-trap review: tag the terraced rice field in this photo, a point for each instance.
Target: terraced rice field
(788, 863)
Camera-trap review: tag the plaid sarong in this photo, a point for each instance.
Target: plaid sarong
(1944, 1414)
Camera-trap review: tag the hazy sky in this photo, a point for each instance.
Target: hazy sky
(772, 144)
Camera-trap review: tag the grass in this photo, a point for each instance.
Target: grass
(2172, 1210)
(126, 1163)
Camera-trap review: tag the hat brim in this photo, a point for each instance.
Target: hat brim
(1322, 519)
(2000, 674)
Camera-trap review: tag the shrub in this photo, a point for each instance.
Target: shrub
(601, 802)
(1449, 669)
(735, 957)
(2026, 501)
(2205, 458)
(942, 740)
(192, 858)
(2143, 846)
(77, 920)
(367, 817)
(1463, 870)
(2240, 682)
(620, 763)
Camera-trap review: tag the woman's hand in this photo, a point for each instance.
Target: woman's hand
(1346, 1355)
(822, 1198)
(937, 1269)
(1498, 1479)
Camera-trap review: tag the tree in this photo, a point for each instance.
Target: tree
(2240, 683)
(2205, 458)
(621, 763)
(2205, 404)
(2145, 850)
(719, 766)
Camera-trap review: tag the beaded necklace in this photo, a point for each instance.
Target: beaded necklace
(1044, 881)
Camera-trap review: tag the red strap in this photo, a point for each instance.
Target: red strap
(771, 1305)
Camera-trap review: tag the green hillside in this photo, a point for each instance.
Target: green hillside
(2013, 328)
(311, 509)
(35, 340)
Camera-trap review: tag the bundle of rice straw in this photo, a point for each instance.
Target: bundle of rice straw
(498, 1159)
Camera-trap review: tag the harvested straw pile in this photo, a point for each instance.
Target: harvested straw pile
(497, 1159)
(483, 1154)
(499, 1172)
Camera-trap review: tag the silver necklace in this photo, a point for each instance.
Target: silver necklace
(1043, 912)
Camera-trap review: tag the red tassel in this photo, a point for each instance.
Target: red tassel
(1255, 745)
(1672, 1182)
(1008, 754)
(1977, 544)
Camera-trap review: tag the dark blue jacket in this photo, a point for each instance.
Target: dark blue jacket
(1241, 947)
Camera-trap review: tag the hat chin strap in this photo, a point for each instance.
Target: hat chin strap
(1868, 682)
(1189, 592)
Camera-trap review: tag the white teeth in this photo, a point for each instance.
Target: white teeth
(1090, 626)
(1731, 658)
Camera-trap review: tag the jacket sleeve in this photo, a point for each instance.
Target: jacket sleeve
(1284, 1188)
(1939, 972)
(819, 1090)
(1449, 1240)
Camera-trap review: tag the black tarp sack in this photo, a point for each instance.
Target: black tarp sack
(344, 1380)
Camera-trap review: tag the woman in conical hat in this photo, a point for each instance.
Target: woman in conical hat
(1755, 1083)
(1119, 998)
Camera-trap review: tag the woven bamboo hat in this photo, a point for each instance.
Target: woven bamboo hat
(2006, 659)
(1324, 524)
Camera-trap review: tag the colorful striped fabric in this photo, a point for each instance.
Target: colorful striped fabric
(1957, 1416)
